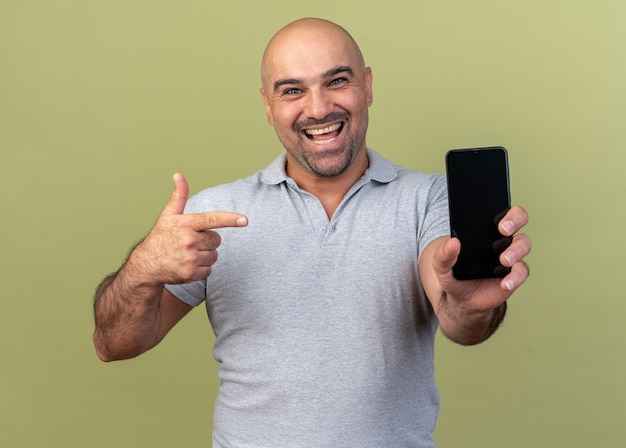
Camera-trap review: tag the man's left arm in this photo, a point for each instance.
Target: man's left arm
(469, 311)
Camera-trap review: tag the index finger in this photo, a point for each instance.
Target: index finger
(214, 220)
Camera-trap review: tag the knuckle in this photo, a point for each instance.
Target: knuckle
(186, 241)
(212, 220)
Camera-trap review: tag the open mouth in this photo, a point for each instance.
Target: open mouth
(324, 135)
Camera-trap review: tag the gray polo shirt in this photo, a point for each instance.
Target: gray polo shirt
(323, 333)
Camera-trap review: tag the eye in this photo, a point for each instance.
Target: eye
(337, 82)
(292, 91)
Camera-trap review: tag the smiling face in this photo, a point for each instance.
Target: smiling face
(316, 91)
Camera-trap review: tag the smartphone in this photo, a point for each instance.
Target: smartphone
(478, 197)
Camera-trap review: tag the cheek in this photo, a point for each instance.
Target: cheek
(284, 117)
(358, 111)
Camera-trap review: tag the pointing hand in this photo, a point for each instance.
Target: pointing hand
(181, 248)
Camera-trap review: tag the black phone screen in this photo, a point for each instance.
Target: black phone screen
(478, 196)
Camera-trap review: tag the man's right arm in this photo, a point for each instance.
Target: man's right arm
(133, 311)
(131, 319)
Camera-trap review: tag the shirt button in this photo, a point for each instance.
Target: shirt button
(322, 229)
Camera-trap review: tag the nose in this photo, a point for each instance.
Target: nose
(318, 104)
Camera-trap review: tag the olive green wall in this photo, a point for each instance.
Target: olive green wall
(101, 101)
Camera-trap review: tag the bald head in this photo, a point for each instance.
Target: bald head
(317, 91)
(307, 36)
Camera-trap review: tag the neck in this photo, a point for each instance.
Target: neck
(329, 190)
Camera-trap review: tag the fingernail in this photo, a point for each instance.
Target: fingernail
(509, 285)
(508, 226)
(509, 257)
(242, 221)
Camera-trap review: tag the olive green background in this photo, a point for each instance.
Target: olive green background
(101, 101)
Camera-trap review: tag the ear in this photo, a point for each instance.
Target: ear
(368, 85)
(268, 109)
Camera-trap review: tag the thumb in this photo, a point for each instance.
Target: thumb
(176, 204)
(446, 256)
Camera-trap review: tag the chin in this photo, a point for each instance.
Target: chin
(332, 168)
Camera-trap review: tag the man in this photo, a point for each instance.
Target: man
(331, 284)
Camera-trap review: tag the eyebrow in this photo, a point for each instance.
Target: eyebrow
(330, 73)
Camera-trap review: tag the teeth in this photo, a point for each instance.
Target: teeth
(323, 131)
(323, 142)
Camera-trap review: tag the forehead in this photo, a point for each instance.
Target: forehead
(308, 53)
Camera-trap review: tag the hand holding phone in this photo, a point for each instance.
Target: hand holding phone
(478, 197)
